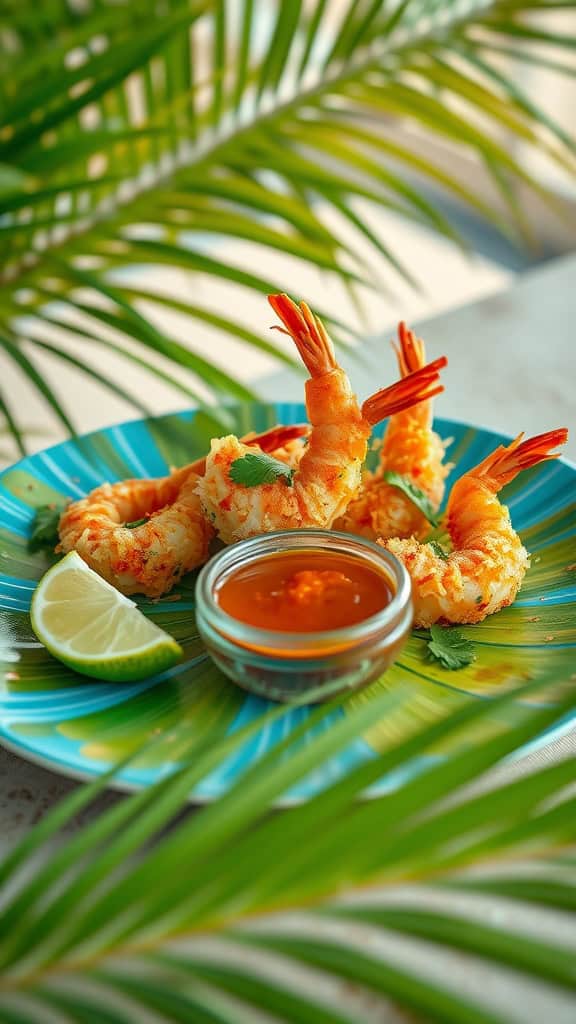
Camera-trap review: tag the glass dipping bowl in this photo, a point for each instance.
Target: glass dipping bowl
(285, 666)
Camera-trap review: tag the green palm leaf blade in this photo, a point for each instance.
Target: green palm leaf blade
(498, 22)
(217, 320)
(557, 824)
(244, 52)
(93, 374)
(525, 57)
(231, 224)
(518, 119)
(12, 425)
(218, 59)
(407, 987)
(404, 985)
(280, 45)
(548, 892)
(48, 98)
(341, 851)
(103, 72)
(253, 195)
(173, 350)
(481, 815)
(150, 810)
(372, 168)
(131, 323)
(432, 113)
(553, 963)
(276, 998)
(339, 202)
(17, 1011)
(115, 143)
(12, 180)
(520, 99)
(228, 816)
(75, 1007)
(336, 124)
(13, 349)
(313, 33)
(83, 335)
(278, 879)
(200, 1004)
(66, 29)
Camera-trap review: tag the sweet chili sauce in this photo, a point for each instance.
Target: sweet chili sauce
(304, 591)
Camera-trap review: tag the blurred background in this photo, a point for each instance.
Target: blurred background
(163, 164)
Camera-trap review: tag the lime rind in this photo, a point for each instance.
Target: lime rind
(152, 657)
(125, 670)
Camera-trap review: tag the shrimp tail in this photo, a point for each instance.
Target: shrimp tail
(277, 437)
(268, 441)
(308, 333)
(419, 386)
(410, 351)
(504, 464)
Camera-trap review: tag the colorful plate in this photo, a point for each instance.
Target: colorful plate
(77, 727)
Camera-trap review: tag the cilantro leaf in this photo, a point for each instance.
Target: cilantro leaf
(450, 648)
(438, 549)
(135, 523)
(45, 527)
(257, 468)
(421, 500)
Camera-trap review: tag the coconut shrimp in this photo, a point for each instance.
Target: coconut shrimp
(328, 472)
(484, 571)
(411, 448)
(142, 535)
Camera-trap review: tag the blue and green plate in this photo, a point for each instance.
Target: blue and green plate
(79, 727)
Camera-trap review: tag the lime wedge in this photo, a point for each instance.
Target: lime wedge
(92, 628)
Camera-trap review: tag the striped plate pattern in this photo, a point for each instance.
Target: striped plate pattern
(51, 715)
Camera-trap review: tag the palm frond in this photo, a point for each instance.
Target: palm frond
(143, 137)
(234, 910)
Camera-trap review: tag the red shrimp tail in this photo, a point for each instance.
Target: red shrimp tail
(419, 386)
(278, 436)
(268, 441)
(307, 332)
(504, 464)
(410, 351)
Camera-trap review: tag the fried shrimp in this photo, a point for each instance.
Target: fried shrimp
(411, 448)
(328, 473)
(484, 571)
(142, 535)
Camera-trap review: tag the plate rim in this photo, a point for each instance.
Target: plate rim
(118, 785)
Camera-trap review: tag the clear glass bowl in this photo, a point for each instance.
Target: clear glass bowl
(313, 666)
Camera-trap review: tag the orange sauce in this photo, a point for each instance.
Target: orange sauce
(304, 592)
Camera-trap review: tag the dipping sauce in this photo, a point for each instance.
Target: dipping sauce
(304, 592)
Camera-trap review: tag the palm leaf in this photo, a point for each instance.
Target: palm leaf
(130, 142)
(88, 937)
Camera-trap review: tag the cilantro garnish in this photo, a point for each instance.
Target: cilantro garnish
(135, 523)
(257, 468)
(438, 549)
(45, 527)
(421, 500)
(450, 648)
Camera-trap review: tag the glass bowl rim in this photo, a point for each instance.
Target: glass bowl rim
(236, 631)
